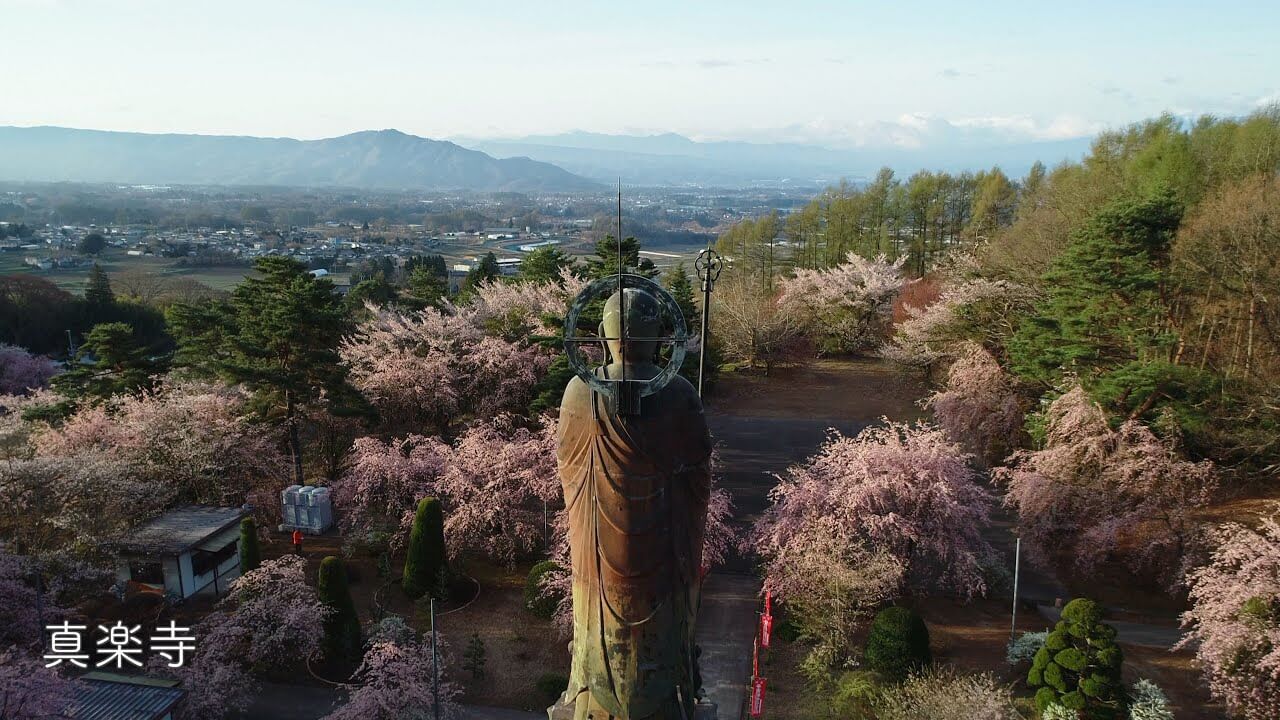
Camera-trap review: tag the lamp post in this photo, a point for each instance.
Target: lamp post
(435, 664)
(708, 265)
(1017, 565)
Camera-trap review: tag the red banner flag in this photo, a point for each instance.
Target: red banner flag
(757, 697)
(766, 629)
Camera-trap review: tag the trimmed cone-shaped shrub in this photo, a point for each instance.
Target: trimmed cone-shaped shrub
(536, 600)
(250, 551)
(1079, 666)
(342, 626)
(898, 643)
(425, 566)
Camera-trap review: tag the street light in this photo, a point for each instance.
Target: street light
(708, 265)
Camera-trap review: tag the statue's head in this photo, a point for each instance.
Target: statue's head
(644, 319)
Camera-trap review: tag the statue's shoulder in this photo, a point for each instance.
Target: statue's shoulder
(682, 392)
(577, 396)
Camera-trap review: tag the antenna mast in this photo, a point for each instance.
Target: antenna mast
(622, 299)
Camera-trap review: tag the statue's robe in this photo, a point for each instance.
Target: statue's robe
(636, 491)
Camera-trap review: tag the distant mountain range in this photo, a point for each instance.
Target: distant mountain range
(385, 159)
(568, 162)
(672, 160)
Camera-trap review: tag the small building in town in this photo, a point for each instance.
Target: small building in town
(191, 550)
(108, 696)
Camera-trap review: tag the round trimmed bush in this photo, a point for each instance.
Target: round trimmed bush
(535, 600)
(898, 643)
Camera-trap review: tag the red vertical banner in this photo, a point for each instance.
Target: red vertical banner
(768, 603)
(757, 697)
(766, 629)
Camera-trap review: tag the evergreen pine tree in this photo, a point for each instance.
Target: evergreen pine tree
(342, 626)
(680, 285)
(426, 563)
(97, 291)
(605, 263)
(473, 659)
(110, 362)
(486, 271)
(544, 264)
(278, 336)
(250, 551)
(1105, 316)
(1079, 665)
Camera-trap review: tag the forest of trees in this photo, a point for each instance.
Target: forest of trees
(1104, 340)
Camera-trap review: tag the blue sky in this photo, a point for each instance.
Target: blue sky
(844, 74)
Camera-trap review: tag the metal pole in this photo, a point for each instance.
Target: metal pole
(435, 664)
(706, 312)
(1017, 562)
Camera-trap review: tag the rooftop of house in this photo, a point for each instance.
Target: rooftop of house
(108, 696)
(180, 529)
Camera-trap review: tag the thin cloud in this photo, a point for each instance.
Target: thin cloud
(714, 63)
(954, 74)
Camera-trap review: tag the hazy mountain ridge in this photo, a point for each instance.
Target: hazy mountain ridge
(672, 159)
(383, 159)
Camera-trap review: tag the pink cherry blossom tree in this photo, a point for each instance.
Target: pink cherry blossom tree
(979, 405)
(384, 481)
(29, 690)
(514, 310)
(20, 621)
(831, 585)
(109, 466)
(394, 680)
(434, 366)
(22, 372)
(1232, 623)
(1092, 491)
(498, 486)
(496, 481)
(849, 304)
(270, 617)
(977, 310)
(903, 490)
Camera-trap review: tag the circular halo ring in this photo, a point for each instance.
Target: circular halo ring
(603, 288)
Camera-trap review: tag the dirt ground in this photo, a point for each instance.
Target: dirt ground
(519, 646)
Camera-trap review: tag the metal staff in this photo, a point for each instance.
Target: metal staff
(708, 266)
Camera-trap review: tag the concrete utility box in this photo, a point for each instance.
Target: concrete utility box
(309, 509)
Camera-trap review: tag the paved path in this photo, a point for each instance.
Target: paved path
(726, 629)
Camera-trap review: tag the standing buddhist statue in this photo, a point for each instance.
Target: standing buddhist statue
(635, 473)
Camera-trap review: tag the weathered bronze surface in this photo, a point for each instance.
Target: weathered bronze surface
(636, 490)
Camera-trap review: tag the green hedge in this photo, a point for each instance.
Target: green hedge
(426, 568)
(898, 643)
(542, 605)
(250, 551)
(342, 626)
